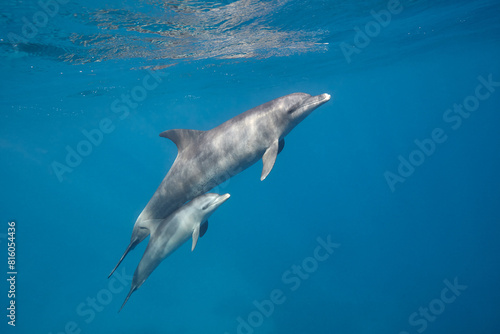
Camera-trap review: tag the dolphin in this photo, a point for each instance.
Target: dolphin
(191, 220)
(206, 159)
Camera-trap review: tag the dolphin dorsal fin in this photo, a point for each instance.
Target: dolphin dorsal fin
(182, 138)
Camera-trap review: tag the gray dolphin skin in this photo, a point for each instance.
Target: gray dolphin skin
(167, 235)
(206, 159)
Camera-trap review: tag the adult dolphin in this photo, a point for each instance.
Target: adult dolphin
(191, 220)
(208, 158)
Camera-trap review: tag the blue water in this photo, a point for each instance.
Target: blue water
(402, 238)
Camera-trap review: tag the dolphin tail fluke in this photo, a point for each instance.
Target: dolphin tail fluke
(129, 248)
(132, 289)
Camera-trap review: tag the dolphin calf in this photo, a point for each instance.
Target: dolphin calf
(167, 235)
(206, 159)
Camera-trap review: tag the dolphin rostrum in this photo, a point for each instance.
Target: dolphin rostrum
(206, 159)
(191, 220)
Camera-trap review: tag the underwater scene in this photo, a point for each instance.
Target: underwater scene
(250, 167)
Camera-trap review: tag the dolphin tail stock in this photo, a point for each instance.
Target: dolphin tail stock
(132, 289)
(129, 248)
(136, 239)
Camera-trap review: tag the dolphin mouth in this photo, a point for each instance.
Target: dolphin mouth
(218, 201)
(317, 100)
(320, 99)
(222, 199)
(324, 97)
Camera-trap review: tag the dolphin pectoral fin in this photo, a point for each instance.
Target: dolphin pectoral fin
(203, 228)
(199, 231)
(196, 233)
(182, 138)
(269, 158)
(281, 145)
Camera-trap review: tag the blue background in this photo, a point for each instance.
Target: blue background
(222, 58)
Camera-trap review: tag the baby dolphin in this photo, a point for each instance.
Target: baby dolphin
(206, 159)
(168, 234)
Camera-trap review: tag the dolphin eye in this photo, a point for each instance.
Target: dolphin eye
(205, 207)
